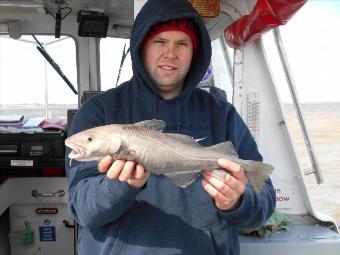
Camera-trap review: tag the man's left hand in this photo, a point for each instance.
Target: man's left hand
(226, 191)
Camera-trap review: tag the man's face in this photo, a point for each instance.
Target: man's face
(167, 58)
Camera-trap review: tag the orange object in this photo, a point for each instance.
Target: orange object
(207, 9)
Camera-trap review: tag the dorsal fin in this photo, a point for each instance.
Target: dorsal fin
(184, 138)
(225, 147)
(156, 125)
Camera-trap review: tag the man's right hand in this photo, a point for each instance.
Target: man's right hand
(127, 171)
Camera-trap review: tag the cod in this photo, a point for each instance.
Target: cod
(177, 156)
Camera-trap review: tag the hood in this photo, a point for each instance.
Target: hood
(153, 12)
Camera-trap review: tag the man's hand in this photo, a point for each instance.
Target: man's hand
(125, 171)
(226, 192)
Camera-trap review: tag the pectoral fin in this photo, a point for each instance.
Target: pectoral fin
(115, 144)
(183, 178)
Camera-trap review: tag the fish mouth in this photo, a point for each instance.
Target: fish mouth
(77, 150)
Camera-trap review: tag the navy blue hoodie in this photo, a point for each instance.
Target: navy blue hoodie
(162, 218)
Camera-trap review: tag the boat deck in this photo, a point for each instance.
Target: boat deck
(304, 237)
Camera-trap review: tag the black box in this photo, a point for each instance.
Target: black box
(92, 24)
(36, 150)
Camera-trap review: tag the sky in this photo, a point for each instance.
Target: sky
(314, 65)
(311, 39)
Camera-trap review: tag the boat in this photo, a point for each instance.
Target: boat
(63, 52)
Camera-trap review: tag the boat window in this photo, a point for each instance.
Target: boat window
(313, 60)
(29, 86)
(111, 52)
(221, 61)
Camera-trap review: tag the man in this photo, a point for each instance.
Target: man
(120, 207)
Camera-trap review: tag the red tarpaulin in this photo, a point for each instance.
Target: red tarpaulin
(267, 14)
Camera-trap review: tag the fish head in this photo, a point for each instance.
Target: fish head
(92, 144)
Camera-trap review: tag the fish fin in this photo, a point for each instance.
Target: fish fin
(184, 138)
(156, 125)
(257, 172)
(116, 143)
(183, 178)
(225, 147)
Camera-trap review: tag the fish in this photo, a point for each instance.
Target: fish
(177, 156)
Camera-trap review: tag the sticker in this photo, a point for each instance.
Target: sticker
(208, 75)
(283, 197)
(47, 234)
(21, 162)
(47, 222)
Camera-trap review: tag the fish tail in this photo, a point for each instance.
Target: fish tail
(257, 172)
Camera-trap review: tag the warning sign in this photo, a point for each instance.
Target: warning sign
(47, 234)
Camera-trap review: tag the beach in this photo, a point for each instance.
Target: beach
(323, 124)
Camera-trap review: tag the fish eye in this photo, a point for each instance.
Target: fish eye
(90, 139)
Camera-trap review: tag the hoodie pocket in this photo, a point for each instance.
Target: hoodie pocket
(146, 241)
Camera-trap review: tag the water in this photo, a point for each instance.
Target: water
(323, 124)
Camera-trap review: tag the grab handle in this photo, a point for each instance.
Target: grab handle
(37, 193)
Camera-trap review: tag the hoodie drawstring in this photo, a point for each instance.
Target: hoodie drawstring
(179, 124)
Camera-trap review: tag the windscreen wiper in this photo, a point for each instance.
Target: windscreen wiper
(125, 53)
(54, 65)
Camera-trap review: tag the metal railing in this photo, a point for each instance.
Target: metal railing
(289, 77)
